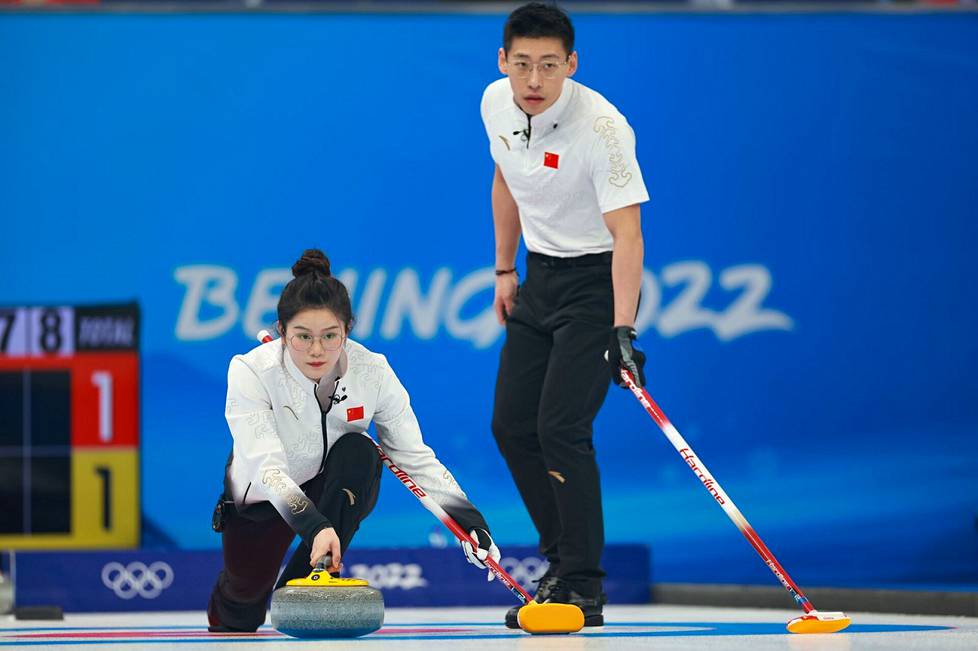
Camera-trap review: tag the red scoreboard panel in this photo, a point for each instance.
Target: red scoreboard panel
(69, 427)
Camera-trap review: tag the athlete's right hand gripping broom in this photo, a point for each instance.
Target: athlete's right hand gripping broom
(812, 621)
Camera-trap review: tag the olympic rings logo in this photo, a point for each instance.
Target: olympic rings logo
(526, 570)
(136, 578)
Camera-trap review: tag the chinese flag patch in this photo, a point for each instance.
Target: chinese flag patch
(550, 160)
(354, 413)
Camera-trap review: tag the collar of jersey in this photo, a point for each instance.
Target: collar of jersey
(308, 385)
(553, 114)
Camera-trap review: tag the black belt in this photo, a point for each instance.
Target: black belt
(589, 260)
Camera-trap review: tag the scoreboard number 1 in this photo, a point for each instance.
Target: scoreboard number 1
(103, 381)
(105, 474)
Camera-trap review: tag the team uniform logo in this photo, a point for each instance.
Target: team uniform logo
(619, 174)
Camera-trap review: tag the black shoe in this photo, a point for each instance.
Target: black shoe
(562, 593)
(544, 589)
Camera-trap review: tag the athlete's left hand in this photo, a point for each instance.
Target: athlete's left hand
(486, 549)
(623, 355)
(507, 287)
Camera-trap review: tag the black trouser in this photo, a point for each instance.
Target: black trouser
(345, 492)
(553, 378)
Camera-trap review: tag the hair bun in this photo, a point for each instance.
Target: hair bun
(312, 261)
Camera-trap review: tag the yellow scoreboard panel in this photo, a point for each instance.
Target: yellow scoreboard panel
(69, 427)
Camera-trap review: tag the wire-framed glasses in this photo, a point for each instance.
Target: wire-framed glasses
(522, 69)
(303, 341)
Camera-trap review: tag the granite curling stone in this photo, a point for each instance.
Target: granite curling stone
(322, 606)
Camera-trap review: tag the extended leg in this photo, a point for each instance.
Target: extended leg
(577, 382)
(522, 370)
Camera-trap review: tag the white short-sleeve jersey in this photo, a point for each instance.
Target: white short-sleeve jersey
(565, 167)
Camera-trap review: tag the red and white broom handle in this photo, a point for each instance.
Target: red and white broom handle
(429, 503)
(710, 484)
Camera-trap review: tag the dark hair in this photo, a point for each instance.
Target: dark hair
(313, 286)
(539, 20)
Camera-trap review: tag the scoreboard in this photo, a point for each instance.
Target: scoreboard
(69, 427)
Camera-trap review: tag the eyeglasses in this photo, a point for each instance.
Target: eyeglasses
(303, 342)
(523, 69)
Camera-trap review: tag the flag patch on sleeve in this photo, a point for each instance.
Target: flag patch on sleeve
(550, 160)
(354, 413)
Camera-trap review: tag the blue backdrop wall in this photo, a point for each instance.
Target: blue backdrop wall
(808, 314)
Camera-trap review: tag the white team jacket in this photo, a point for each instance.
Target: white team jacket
(276, 422)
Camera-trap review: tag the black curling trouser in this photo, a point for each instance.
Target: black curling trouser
(553, 378)
(345, 492)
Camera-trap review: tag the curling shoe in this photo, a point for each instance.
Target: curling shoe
(551, 589)
(562, 593)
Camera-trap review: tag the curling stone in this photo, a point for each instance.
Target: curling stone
(322, 606)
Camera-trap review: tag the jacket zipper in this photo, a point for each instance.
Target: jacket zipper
(323, 413)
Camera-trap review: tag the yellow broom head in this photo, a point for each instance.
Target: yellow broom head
(816, 622)
(549, 618)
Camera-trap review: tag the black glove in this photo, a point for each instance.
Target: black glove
(621, 355)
